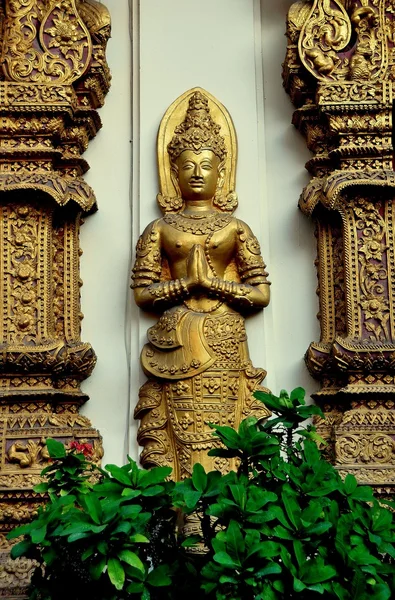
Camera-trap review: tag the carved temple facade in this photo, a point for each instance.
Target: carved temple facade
(338, 65)
(339, 72)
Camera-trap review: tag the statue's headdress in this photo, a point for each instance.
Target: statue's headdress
(198, 131)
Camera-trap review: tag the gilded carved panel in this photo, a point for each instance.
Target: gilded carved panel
(339, 72)
(54, 77)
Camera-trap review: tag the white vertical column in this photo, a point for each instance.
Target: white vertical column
(292, 243)
(106, 242)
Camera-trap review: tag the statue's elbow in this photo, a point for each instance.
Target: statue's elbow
(139, 297)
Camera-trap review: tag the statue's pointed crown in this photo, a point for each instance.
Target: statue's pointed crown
(198, 131)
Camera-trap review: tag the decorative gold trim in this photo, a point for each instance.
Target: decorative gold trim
(339, 71)
(55, 76)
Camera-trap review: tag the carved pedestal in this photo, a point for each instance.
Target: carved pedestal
(339, 72)
(54, 78)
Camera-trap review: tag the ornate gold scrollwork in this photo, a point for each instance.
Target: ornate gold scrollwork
(345, 112)
(325, 33)
(54, 77)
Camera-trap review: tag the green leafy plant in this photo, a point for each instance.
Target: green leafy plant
(101, 541)
(283, 526)
(286, 525)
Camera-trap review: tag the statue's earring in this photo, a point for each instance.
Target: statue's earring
(171, 203)
(225, 203)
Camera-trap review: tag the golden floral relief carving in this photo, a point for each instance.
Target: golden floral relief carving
(376, 448)
(326, 47)
(326, 31)
(66, 46)
(54, 77)
(202, 270)
(373, 274)
(348, 91)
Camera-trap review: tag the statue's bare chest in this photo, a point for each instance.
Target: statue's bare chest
(180, 234)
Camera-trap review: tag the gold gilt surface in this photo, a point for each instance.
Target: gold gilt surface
(53, 78)
(200, 268)
(339, 71)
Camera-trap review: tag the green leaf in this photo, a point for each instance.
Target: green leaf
(318, 528)
(230, 438)
(350, 484)
(311, 452)
(270, 569)
(382, 519)
(380, 592)
(362, 556)
(74, 537)
(199, 477)
(139, 538)
(41, 488)
(153, 490)
(154, 476)
(131, 559)
(235, 541)
(96, 568)
(49, 556)
(268, 593)
(108, 488)
(116, 573)
(56, 449)
(239, 494)
(222, 558)
(291, 505)
(159, 577)
(88, 552)
(93, 507)
(191, 541)
(299, 552)
(21, 530)
(268, 549)
(298, 394)
(228, 579)
(129, 493)
(21, 549)
(192, 498)
(309, 411)
(363, 493)
(314, 573)
(122, 527)
(130, 511)
(282, 533)
(38, 535)
(119, 474)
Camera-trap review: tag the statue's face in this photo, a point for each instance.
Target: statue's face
(198, 174)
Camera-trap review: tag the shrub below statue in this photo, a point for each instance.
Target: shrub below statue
(284, 526)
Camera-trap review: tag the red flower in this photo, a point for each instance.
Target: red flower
(85, 449)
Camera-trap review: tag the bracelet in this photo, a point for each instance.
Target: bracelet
(230, 291)
(170, 290)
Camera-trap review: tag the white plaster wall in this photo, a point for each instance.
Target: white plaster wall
(292, 244)
(106, 242)
(234, 49)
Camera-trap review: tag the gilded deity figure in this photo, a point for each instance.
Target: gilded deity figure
(202, 270)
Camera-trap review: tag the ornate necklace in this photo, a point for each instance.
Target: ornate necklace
(197, 224)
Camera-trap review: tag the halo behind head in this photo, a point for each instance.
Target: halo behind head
(196, 121)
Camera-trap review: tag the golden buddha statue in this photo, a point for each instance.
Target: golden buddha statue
(202, 269)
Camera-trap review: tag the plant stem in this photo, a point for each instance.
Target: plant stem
(289, 438)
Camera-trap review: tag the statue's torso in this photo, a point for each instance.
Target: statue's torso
(217, 235)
